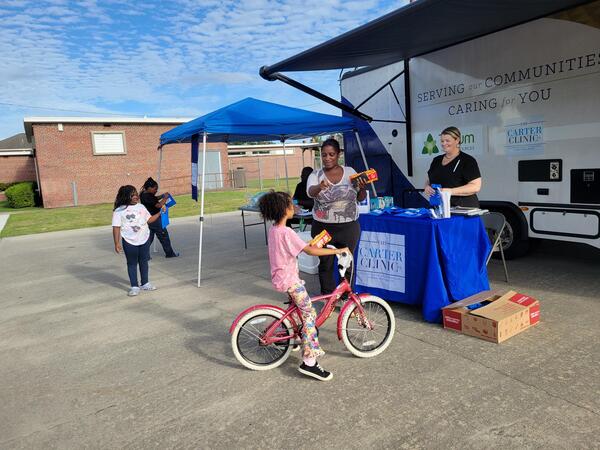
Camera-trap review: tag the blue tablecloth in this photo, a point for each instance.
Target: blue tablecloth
(421, 260)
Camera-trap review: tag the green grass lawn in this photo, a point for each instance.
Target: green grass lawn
(4, 208)
(40, 220)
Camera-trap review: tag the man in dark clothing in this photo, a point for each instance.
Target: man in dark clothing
(300, 194)
(302, 199)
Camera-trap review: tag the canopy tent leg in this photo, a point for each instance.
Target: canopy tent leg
(287, 180)
(260, 180)
(201, 207)
(160, 154)
(362, 153)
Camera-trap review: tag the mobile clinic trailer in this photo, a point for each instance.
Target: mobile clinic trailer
(521, 79)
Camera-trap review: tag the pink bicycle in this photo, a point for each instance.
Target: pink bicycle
(262, 336)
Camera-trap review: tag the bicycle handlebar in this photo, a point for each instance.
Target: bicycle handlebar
(345, 260)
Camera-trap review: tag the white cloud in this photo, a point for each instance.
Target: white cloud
(15, 3)
(185, 57)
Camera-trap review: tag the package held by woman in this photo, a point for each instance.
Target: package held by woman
(368, 176)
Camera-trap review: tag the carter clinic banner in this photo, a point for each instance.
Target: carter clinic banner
(381, 261)
(421, 261)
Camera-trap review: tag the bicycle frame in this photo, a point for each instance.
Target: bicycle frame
(293, 315)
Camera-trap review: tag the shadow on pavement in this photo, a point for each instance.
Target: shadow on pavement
(98, 275)
(211, 334)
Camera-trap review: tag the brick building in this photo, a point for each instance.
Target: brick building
(16, 165)
(83, 160)
(16, 161)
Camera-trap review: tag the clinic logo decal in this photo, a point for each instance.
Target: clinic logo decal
(430, 147)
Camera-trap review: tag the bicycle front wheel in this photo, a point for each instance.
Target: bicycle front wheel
(246, 345)
(368, 340)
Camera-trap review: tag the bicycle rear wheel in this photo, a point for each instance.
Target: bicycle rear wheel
(246, 345)
(358, 338)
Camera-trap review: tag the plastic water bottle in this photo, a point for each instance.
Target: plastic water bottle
(435, 199)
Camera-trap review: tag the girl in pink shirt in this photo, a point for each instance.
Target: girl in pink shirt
(284, 246)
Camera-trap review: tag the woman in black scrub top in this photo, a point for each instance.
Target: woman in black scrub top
(455, 171)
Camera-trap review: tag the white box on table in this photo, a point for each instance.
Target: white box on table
(307, 263)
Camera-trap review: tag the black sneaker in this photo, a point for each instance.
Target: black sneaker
(174, 255)
(315, 371)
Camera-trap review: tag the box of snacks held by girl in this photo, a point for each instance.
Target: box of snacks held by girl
(321, 239)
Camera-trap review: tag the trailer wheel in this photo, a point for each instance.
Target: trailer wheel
(513, 242)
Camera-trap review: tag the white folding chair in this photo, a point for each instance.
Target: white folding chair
(494, 224)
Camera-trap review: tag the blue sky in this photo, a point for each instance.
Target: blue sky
(178, 58)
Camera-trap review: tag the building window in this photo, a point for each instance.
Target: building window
(109, 142)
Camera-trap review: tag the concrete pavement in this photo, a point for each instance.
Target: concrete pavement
(84, 366)
(3, 220)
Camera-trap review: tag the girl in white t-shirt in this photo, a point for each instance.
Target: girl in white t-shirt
(130, 233)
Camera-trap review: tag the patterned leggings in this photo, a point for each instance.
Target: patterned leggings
(310, 341)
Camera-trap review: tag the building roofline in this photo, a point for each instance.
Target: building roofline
(29, 121)
(54, 119)
(16, 152)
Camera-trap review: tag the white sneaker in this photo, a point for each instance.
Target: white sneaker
(148, 287)
(133, 291)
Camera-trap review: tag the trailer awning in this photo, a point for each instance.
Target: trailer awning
(416, 29)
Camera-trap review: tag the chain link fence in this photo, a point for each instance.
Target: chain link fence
(253, 174)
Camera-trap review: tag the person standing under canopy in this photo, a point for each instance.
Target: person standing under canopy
(300, 196)
(335, 208)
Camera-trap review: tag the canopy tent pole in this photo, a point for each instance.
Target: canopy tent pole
(201, 207)
(160, 150)
(159, 163)
(362, 153)
(287, 180)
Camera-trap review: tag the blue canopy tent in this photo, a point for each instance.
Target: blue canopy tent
(249, 120)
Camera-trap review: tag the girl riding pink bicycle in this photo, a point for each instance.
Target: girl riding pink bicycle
(263, 335)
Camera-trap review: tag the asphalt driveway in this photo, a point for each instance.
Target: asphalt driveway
(84, 366)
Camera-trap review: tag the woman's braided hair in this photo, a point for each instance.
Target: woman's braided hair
(149, 183)
(273, 205)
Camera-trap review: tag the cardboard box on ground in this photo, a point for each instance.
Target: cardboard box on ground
(504, 315)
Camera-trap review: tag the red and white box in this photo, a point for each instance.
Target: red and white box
(320, 239)
(504, 315)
